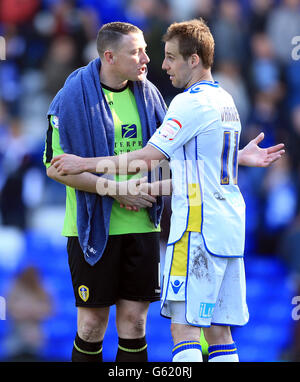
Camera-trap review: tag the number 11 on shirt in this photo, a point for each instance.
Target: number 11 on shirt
(225, 175)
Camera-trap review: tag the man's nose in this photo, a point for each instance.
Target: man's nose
(145, 59)
(164, 65)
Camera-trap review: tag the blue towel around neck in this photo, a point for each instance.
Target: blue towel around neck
(86, 128)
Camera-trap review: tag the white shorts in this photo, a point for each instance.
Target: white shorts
(213, 288)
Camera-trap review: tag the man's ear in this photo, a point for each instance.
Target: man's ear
(109, 57)
(194, 60)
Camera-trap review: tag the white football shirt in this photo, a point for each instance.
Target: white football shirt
(200, 135)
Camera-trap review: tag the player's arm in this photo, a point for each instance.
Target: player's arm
(128, 194)
(254, 156)
(142, 160)
(82, 182)
(90, 182)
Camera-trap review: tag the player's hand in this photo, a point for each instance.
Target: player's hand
(135, 203)
(145, 187)
(130, 196)
(254, 156)
(68, 164)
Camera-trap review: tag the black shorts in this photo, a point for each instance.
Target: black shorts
(128, 269)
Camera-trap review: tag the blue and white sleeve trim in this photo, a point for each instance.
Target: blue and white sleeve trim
(161, 150)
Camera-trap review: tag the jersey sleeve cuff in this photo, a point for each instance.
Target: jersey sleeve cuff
(160, 149)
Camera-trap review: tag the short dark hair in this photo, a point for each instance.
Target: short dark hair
(193, 36)
(110, 34)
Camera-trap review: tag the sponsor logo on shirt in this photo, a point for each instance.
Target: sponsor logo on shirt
(129, 131)
(176, 285)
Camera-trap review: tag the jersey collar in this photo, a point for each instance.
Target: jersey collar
(214, 84)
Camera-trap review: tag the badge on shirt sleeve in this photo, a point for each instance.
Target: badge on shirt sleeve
(54, 121)
(170, 129)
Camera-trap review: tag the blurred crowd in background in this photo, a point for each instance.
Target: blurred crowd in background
(45, 40)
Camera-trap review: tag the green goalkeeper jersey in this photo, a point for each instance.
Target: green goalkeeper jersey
(128, 137)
